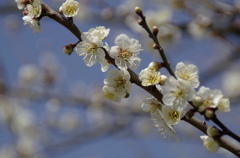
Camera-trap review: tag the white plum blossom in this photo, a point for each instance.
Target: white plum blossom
(149, 77)
(119, 81)
(33, 23)
(210, 98)
(126, 52)
(28, 74)
(188, 73)
(171, 115)
(90, 48)
(224, 105)
(111, 96)
(177, 93)
(100, 31)
(153, 106)
(209, 143)
(34, 9)
(104, 63)
(164, 129)
(150, 104)
(69, 8)
(21, 4)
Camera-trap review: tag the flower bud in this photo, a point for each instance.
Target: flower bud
(60, 10)
(212, 131)
(209, 113)
(68, 49)
(140, 22)
(154, 66)
(25, 12)
(138, 10)
(127, 95)
(155, 30)
(197, 101)
(156, 46)
(163, 80)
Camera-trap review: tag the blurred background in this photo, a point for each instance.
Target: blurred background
(52, 105)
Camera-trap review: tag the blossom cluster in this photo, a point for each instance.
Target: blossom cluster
(179, 93)
(32, 12)
(125, 54)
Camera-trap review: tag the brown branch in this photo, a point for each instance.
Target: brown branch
(47, 11)
(224, 143)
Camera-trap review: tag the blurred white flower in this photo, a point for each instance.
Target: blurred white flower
(231, 84)
(198, 28)
(163, 15)
(69, 121)
(209, 143)
(69, 8)
(28, 74)
(126, 52)
(177, 93)
(7, 152)
(26, 146)
(149, 77)
(187, 73)
(168, 34)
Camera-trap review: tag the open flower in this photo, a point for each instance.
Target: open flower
(210, 144)
(34, 9)
(188, 73)
(153, 106)
(177, 93)
(171, 115)
(100, 31)
(22, 3)
(126, 52)
(33, 23)
(149, 77)
(111, 96)
(119, 82)
(210, 98)
(164, 129)
(224, 104)
(90, 48)
(69, 8)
